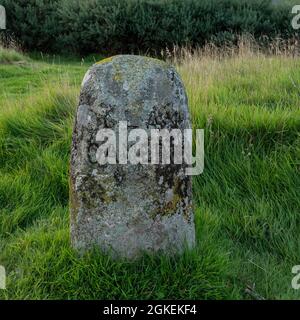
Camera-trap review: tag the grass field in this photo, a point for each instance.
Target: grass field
(247, 200)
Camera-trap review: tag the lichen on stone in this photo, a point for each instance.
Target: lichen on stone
(128, 208)
(106, 60)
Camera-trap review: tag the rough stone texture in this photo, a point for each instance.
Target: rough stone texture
(129, 209)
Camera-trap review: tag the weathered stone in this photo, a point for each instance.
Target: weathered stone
(124, 208)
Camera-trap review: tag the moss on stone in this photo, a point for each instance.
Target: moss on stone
(118, 76)
(106, 60)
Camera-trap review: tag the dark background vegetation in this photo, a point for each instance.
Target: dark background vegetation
(83, 27)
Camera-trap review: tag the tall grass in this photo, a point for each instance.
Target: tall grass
(11, 56)
(246, 46)
(10, 51)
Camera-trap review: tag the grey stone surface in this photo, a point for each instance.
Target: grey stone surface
(128, 209)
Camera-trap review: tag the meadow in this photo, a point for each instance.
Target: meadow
(247, 202)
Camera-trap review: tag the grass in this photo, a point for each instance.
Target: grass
(11, 56)
(246, 201)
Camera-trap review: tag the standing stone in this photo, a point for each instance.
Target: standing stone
(127, 209)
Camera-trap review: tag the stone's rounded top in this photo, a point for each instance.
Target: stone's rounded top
(131, 58)
(133, 87)
(131, 68)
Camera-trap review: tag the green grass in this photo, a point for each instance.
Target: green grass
(246, 201)
(11, 56)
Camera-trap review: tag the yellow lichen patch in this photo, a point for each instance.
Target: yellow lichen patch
(171, 206)
(106, 60)
(117, 76)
